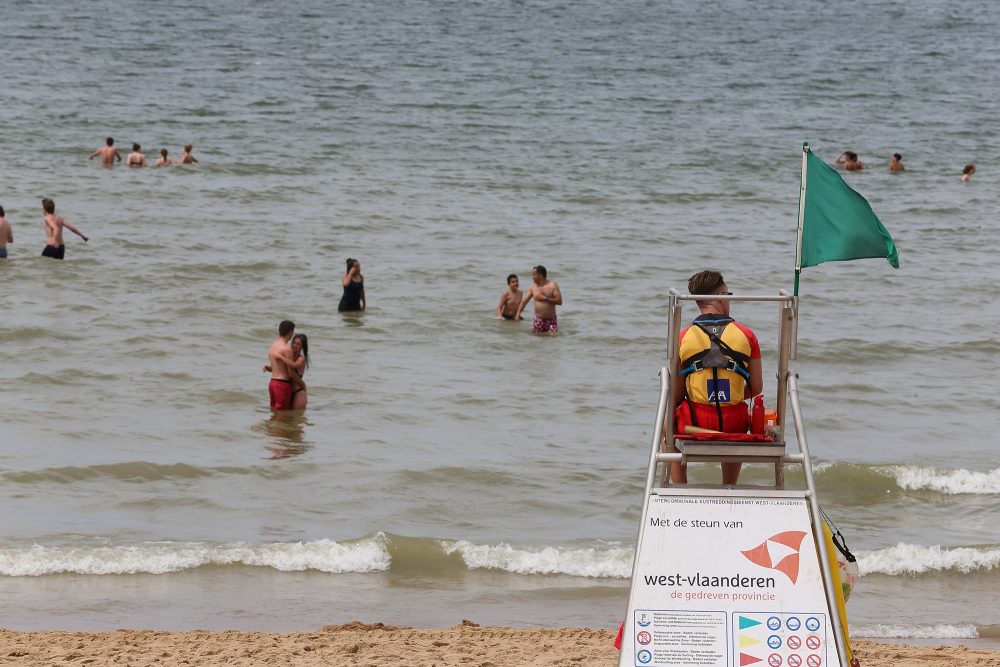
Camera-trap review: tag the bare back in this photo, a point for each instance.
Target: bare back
(276, 355)
(54, 229)
(6, 235)
(108, 155)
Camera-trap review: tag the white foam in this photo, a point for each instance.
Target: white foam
(950, 482)
(916, 559)
(612, 561)
(367, 555)
(933, 631)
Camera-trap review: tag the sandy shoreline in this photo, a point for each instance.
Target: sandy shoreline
(377, 644)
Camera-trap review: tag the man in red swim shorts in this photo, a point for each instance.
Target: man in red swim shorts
(279, 354)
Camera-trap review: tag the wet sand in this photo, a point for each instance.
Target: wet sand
(377, 644)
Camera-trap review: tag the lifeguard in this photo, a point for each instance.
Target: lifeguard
(720, 368)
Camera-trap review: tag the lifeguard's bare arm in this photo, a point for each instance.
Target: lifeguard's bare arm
(503, 300)
(94, 154)
(756, 377)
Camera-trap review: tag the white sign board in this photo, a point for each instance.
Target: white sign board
(727, 582)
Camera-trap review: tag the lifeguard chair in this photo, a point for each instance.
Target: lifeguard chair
(740, 574)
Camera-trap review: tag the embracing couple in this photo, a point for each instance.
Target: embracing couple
(287, 363)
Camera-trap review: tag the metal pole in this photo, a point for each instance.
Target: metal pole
(671, 370)
(817, 521)
(802, 215)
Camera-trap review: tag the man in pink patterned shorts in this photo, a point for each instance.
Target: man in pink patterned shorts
(547, 296)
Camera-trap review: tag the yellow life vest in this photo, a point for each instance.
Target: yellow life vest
(715, 361)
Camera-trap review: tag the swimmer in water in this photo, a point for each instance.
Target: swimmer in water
(510, 299)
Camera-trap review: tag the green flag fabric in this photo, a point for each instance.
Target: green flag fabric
(838, 224)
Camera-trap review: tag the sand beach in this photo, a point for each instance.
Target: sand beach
(378, 644)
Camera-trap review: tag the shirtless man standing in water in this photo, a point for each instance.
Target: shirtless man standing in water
(109, 154)
(547, 296)
(279, 355)
(54, 246)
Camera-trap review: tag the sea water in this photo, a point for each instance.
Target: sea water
(451, 465)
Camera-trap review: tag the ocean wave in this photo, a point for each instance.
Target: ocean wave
(366, 555)
(611, 561)
(135, 471)
(880, 478)
(375, 553)
(916, 631)
(917, 559)
(946, 481)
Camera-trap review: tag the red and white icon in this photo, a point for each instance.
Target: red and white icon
(779, 552)
(812, 641)
(795, 660)
(774, 660)
(814, 660)
(794, 642)
(644, 638)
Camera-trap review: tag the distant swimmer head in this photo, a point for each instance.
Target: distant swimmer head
(512, 279)
(135, 148)
(48, 205)
(163, 152)
(851, 155)
(351, 263)
(2, 214)
(897, 156)
(969, 169)
(188, 147)
(540, 270)
(110, 141)
(286, 328)
(300, 344)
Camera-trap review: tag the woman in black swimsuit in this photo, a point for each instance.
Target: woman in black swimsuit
(354, 288)
(300, 351)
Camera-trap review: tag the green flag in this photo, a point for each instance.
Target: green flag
(835, 222)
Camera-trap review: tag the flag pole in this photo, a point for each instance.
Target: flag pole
(802, 211)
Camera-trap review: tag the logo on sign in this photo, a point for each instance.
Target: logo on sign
(812, 624)
(793, 623)
(644, 656)
(774, 660)
(718, 390)
(794, 642)
(774, 623)
(794, 660)
(644, 638)
(814, 660)
(779, 552)
(812, 641)
(774, 641)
